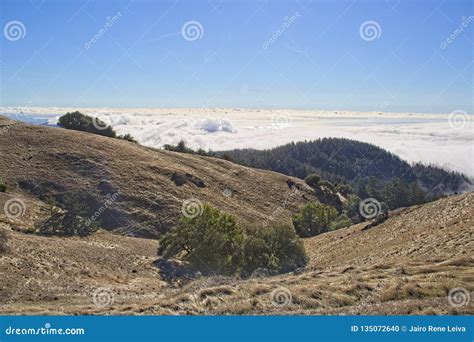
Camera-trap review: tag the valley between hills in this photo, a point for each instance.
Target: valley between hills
(407, 264)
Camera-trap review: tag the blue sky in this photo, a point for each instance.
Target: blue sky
(318, 60)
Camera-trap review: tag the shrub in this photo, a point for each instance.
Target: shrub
(326, 184)
(210, 241)
(344, 189)
(342, 221)
(181, 147)
(312, 180)
(128, 137)
(3, 241)
(314, 219)
(351, 208)
(81, 122)
(214, 243)
(3, 187)
(275, 248)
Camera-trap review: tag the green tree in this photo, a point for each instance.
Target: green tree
(81, 122)
(276, 248)
(396, 194)
(416, 194)
(180, 147)
(344, 189)
(351, 208)
(312, 180)
(213, 243)
(373, 187)
(313, 219)
(127, 137)
(342, 221)
(210, 241)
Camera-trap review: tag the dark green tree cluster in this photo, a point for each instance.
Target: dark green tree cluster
(214, 243)
(85, 123)
(312, 180)
(3, 187)
(313, 219)
(182, 148)
(81, 122)
(355, 167)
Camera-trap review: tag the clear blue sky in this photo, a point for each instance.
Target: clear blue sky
(319, 61)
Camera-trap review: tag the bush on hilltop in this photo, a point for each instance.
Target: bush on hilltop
(81, 122)
(312, 180)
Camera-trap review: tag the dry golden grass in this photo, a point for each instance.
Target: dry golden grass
(40, 161)
(59, 276)
(407, 265)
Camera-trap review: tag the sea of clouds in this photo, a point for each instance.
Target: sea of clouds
(442, 140)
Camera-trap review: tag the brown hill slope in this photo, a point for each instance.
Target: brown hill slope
(407, 265)
(43, 162)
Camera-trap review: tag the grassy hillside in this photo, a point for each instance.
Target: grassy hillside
(136, 190)
(406, 265)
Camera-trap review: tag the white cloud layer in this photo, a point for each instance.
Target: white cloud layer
(429, 138)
